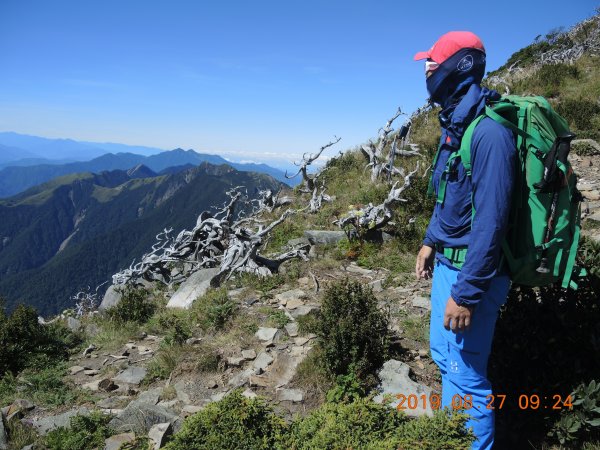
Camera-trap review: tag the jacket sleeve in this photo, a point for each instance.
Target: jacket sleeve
(429, 240)
(493, 159)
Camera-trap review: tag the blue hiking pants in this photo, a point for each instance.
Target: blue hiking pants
(463, 356)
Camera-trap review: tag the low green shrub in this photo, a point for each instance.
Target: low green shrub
(24, 342)
(583, 421)
(235, 422)
(277, 319)
(579, 112)
(352, 331)
(367, 425)
(83, 433)
(214, 309)
(135, 306)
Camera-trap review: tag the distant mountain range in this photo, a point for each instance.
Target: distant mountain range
(16, 179)
(79, 229)
(34, 147)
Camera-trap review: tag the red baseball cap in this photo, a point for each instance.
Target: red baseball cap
(449, 44)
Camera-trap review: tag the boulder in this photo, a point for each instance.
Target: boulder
(159, 434)
(292, 329)
(49, 423)
(73, 324)
(324, 237)
(266, 334)
(115, 442)
(290, 395)
(262, 361)
(248, 354)
(132, 375)
(396, 382)
(192, 288)
(140, 417)
(421, 302)
(112, 297)
(291, 295)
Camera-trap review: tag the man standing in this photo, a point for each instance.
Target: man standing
(462, 245)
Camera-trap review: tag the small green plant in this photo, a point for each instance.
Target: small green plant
(165, 361)
(347, 388)
(584, 419)
(235, 422)
(135, 306)
(44, 386)
(214, 309)
(177, 328)
(83, 433)
(353, 332)
(277, 319)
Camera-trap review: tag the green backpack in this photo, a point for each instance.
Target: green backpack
(541, 242)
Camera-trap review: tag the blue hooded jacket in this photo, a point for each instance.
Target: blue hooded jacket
(493, 158)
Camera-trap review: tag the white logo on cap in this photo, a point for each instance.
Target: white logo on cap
(465, 64)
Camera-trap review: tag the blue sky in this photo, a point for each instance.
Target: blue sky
(252, 80)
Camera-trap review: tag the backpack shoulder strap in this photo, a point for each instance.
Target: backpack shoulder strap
(465, 144)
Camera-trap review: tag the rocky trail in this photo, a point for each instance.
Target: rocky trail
(264, 365)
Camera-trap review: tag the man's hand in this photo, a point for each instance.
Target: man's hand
(457, 317)
(424, 268)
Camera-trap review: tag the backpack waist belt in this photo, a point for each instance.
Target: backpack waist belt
(456, 256)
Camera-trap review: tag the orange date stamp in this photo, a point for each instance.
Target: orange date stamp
(493, 401)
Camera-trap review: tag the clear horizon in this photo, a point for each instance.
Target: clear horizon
(257, 81)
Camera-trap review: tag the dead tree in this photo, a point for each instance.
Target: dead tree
(243, 252)
(375, 153)
(216, 241)
(373, 217)
(308, 180)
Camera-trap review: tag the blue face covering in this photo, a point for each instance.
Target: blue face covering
(454, 76)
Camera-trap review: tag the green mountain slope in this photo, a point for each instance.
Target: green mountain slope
(78, 232)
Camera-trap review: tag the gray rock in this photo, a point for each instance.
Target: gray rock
(303, 310)
(235, 361)
(288, 296)
(395, 381)
(141, 417)
(182, 396)
(91, 372)
(189, 410)
(262, 361)
(266, 334)
(3, 436)
(298, 242)
(353, 268)
(292, 329)
(421, 302)
(112, 297)
(248, 354)
(249, 394)
(20, 404)
(76, 369)
(195, 286)
(113, 402)
(132, 375)
(241, 378)
(294, 304)
(159, 434)
(115, 442)
(73, 324)
(290, 395)
(324, 237)
(376, 285)
(46, 424)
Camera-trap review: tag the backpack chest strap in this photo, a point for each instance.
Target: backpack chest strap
(464, 153)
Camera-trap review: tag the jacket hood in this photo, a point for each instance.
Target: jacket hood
(455, 118)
